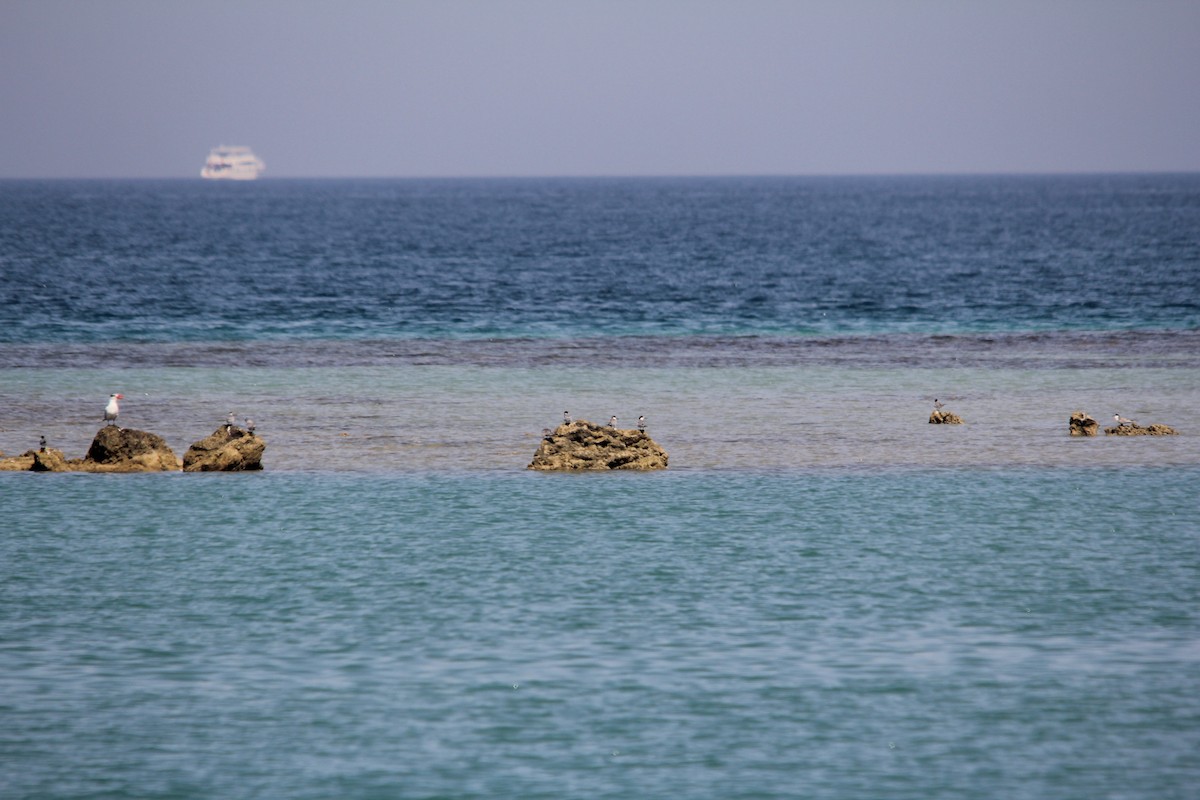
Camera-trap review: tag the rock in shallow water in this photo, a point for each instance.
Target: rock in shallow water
(227, 449)
(583, 445)
(125, 450)
(1083, 425)
(944, 418)
(1140, 430)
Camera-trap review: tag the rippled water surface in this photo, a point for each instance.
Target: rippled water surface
(918, 634)
(824, 595)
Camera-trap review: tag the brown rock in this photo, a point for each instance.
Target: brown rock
(1140, 430)
(49, 460)
(118, 449)
(583, 445)
(1083, 425)
(20, 463)
(227, 449)
(944, 418)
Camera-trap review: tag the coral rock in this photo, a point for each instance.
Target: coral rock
(944, 418)
(583, 445)
(126, 450)
(1140, 430)
(227, 449)
(49, 460)
(1083, 425)
(21, 463)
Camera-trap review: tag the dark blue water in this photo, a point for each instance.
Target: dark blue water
(187, 260)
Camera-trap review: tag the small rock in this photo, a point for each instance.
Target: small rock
(49, 460)
(227, 449)
(582, 445)
(944, 418)
(1140, 430)
(1083, 425)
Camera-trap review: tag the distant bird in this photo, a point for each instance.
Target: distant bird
(43, 443)
(1117, 418)
(938, 405)
(230, 420)
(250, 425)
(566, 418)
(642, 424)
(547, 433)
(113, 409)
(612, 421)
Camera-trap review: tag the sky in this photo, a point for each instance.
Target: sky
(449, 88)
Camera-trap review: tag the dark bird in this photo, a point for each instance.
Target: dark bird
(113, 409)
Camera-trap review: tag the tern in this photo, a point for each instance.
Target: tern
(612, 421)
(43, 442)
(250, 425)
(230, 420)
(566, 418)
(1117, 418)
(938, 405)
(113, 409)
(642, 423)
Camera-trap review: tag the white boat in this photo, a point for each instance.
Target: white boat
(232, 163)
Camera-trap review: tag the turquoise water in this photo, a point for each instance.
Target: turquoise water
(990, 633)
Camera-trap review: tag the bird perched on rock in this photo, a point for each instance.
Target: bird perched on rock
(230, 420)
(547, 433)
(566, 418)
(612, 421)
(113, 409)
(642, 423)
(250, 425)
(43, 443)
(938, 405)
(1117, 418)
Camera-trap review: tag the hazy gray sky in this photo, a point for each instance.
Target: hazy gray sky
(143, 88)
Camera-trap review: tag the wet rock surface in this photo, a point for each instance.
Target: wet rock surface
(583, 445)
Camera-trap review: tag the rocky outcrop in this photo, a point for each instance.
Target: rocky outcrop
(1138, 430)
(1083, 425)
(20, 463)
(48, 460)
(126, 450)
(937, 417)
(583, 445)
(227, 449)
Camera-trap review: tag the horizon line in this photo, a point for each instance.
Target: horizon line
(627, 176)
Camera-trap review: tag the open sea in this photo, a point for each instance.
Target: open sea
(823, 597)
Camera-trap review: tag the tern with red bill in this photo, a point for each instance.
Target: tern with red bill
(113, 409)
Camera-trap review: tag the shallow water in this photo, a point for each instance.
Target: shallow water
(905, 633)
